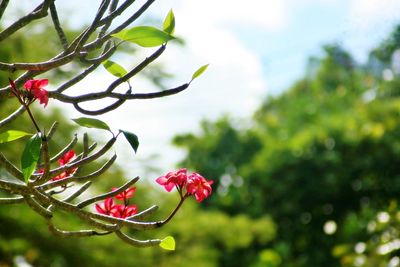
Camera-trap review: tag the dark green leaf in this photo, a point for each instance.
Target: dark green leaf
(168, 243)
(11, 135)
(132, 139)
(92, 123)
(199, 71)
(114, 68)
(30, 156)
(169, 23)
(145, 36)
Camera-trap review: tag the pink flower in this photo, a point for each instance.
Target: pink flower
(172, 179)
(124, 195)
(37, 90)
(119, 210)
(63, 175)
(65, 159)
(122, 211)
(197, 185)
(108, 208)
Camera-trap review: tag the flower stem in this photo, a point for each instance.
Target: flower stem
(174, 211)
(32, 118)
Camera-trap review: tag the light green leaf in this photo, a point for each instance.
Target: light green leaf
(132, 139)
(169, 22)
(145, 36)
(30, 156)
(92, 123)
(168, 243)
(114, 68)
(12, 135)
(199, 71)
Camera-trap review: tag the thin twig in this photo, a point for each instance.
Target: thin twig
(13, 116)
(11, 200)
(143, 214)
(9, 166)
(111, 9)
(78, 192)
(81, 233)
(38, 13)
(107, 195)
(65, 149)
(3, 6)
(85, 178)
(57, 26)
(137, 243)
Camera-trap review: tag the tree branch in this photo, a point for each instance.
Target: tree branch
(38, 13)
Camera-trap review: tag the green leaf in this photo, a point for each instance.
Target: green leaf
(145, 36)
(168, 243)
(114, 68)
(12, 135)
(132, 139)
(169, 22)
(199, 71)
(30, 156)
(92, 123)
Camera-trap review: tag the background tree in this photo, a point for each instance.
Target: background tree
(321, 159)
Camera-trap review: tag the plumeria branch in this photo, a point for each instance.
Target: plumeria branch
(78, 50)
(45, 176)
(112, 218)
(57, 26)
(11, 200)
(13, 116)
(92, 200)
(3, 6)
(38, 13)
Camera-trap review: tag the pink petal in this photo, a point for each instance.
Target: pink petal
(169, 186)
(28, 84)
(42, 83)
(100, 209)
(162, 180)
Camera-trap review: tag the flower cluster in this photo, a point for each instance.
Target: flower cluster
(34, 90)
(65, 159)
(122, 211)
(193, 184)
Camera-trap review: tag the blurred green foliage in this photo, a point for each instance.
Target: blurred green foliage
(322, 159)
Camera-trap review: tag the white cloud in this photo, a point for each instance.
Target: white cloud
(267, 14)
(367, 13)
(233, 83)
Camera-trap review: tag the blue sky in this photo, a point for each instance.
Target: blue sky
(255, 48)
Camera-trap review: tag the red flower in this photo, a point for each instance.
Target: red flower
(67, 157)
(119, 210)
(109, 207)
(36, 88)
(124, 195)
(122, 211)
(198, 186)
(172, 179)
(63, 175)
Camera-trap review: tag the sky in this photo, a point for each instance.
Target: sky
(255, 48)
